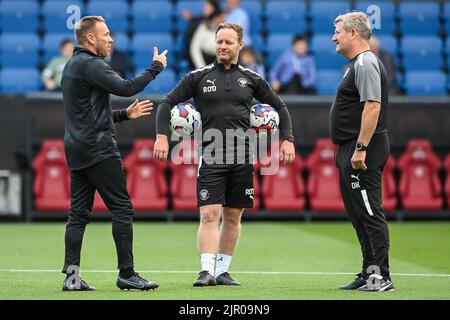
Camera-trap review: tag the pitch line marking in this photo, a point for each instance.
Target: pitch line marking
(304, 273)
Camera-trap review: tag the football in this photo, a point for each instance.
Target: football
(184, 119)
(264, 119)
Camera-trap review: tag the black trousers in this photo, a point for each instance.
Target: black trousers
(361, 192)
(108, 178)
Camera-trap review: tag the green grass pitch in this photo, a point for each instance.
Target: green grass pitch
(274, 260)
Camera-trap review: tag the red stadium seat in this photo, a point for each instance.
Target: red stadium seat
(183, 185)
(447, 181)
(323, 182)
(389, 191)
(146, 181)
(285, 190)
(52, 182)
(420, 188)
(99, 205)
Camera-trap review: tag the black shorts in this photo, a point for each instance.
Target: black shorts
(225, 184)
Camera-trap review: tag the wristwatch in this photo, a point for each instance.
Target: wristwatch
(360, 146)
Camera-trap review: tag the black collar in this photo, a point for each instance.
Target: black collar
(222, 67)
(77, 50)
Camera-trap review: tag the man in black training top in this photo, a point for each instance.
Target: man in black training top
(91, 149)
(358, 125)
(223, 92)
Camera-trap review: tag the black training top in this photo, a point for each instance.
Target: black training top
(87, 82)
(365, 79)
(224, 99)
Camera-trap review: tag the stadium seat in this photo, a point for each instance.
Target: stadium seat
(163, 83)
(52, 42)
(146, 180)
(183, 185)
(142, 47)
(19, 80)
(323, 180)
(284, 190)
(325, 53)
(388, 43)
(425, 83)
(254, 10)
(419, 17)
(51, 187)
(286, 17)
(56, 17)
(122, 42)
(278, 43)
(323, 13)
(389, 190)
(19, 50)
(194, 6)
(19, 16)
(152, 16)
(447, 180)
(446, 17)
(387, 13)
(420, 188)
(115, 13)
(327, 82)
(422, 53)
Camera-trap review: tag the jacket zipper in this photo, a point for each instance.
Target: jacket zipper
(228, 81)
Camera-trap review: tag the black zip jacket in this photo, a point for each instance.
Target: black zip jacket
(87, 83)
(223, 98)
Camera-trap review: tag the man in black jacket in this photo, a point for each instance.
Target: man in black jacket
(91, 149)
(223, 93)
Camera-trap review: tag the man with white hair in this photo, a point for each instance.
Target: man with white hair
(358, 125)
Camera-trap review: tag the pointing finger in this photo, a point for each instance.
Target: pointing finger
(164, 52)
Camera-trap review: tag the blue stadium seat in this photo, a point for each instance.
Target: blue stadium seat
(122, 42)
(278, 43)
(258, 43)
(165, 82)
(56, 16)
(387, 10)
(52, 42)
(195, 7)
(447, 47)
(19, 80)
(328, 82)
(425, 83)
(422, 53)
(254, 10)
(419, 18)
(388, 43)
(446, 17)
(115, 13)
(19, 16)
(19, 50)
(323, 13)
(142, 47)
(286, 16)
(325, 53)
(153, 16)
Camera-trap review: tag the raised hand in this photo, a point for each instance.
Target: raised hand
(160, 57)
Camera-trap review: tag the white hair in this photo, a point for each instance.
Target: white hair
(358, 21)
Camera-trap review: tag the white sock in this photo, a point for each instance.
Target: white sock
(207, 260)
(223, 263)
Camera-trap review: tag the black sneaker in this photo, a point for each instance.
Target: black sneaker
(135, 282)
(83, 286)
(224, 279)
(205, 279)
(356, 284)
(381, 286)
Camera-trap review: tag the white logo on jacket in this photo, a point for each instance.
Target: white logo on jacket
(211, 88)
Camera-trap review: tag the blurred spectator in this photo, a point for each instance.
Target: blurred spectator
(248, 58)
(119, 61)
(389, 63)
(203, 44)
(236, 14)
(209, 7)
(51, 75)
(295, 70)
